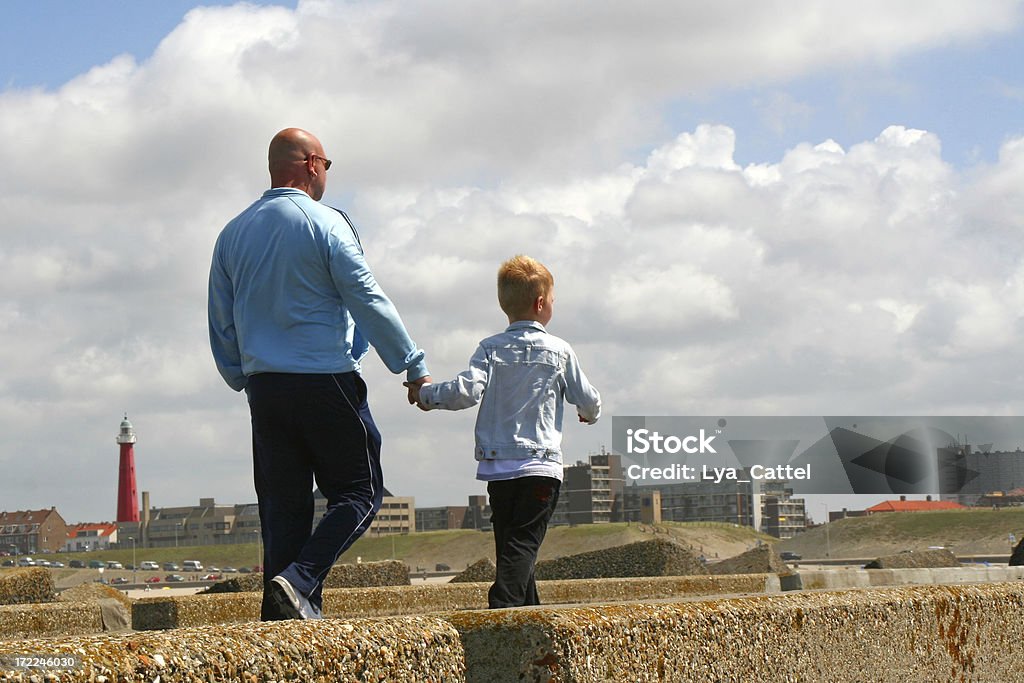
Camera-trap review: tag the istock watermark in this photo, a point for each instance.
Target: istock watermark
(683, 473)
(961, 455)
(647, 441)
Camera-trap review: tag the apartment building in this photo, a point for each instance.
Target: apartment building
(475, 515)
(591, 492)
(28, 532)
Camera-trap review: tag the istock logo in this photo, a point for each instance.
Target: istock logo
(646, 441)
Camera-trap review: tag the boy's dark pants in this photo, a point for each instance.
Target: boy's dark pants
(520, 511)
(306, 427)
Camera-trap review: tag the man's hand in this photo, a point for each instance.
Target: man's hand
(414, 390)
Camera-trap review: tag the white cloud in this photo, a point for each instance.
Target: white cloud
(829, 280)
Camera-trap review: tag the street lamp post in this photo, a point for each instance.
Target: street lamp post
(134, 567)
(177, 525)
(828, 540)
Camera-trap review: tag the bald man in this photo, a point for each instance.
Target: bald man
(292, 308)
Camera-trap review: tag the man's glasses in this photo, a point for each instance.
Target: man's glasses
(327, 162)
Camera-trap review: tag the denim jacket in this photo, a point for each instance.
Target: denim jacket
(521, 378)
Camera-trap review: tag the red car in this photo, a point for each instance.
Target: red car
(153, 579)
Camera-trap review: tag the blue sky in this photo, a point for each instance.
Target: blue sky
(714, 255)
(49, 42)
(971, 94)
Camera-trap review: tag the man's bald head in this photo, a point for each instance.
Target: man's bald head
(293, 161)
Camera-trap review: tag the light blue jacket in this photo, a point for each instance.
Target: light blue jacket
(521, 378)
(288, 288)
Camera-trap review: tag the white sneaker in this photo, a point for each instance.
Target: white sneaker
(294, 604)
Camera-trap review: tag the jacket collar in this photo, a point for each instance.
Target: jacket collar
(525, 325)
(280, 191)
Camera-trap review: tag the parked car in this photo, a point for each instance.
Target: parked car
(57, 565)
(440, 567)
(211, 577)
(26, 562)
(114, 565)
(76, 564)
(42, 563)
(192, 565)
(171, 567)
(174, 578)
(229, 570)
(790, 556)
(245, 570)
(120, 580)
(153, 579)
(149, 565)
(95, 564)
(8, 563)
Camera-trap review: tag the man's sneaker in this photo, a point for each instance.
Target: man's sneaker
(290, 603)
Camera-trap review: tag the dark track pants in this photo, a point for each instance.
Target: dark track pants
(307, 427)
(520, 511)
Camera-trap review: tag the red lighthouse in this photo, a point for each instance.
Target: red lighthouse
(127, 496)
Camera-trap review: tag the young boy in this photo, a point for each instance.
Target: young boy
(521, 378)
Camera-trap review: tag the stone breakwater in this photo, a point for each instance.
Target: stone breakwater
(413, 649)
(49, 619)
(918, 633)
(362, 575)
(1017, 557)
(28, 585)
(187, 611)
(916, 559)
(481, 570)
(659, 557)
(760, 560)
(368, 575)
(87, 608)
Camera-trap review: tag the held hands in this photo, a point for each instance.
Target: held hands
(414, 390)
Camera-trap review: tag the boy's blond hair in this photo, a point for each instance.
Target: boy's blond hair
(521, 280)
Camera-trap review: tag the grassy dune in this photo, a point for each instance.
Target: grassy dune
(457, 548)
(966, 532)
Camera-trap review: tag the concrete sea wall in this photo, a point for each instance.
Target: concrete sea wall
(409, 649)
(898, 634)
(919, 633)
(178, 611)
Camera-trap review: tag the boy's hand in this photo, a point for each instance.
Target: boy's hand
(414, 390)
(582, 419)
